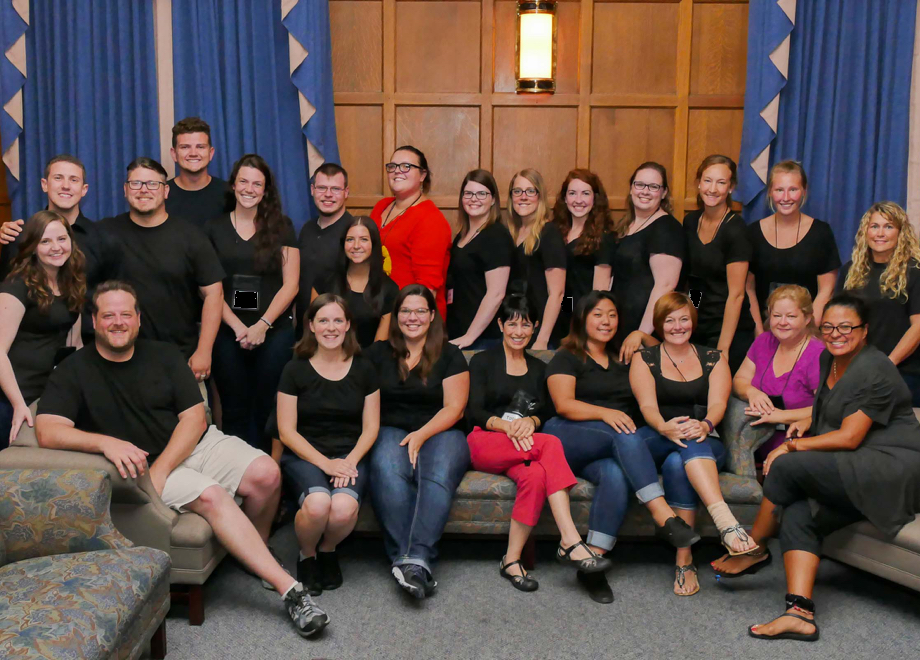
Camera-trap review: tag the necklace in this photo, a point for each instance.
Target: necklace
(644, 222)
(788, 374)
(387, 219)
(675, 363)
(776, 232)
(699, 227)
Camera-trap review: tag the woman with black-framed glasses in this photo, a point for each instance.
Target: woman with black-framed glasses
(480, 265)
(413, 230)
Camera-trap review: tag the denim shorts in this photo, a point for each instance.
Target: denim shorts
(302, 478)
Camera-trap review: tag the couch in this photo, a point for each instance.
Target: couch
(73, 586)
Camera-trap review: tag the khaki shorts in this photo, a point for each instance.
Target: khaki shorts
(218, 459)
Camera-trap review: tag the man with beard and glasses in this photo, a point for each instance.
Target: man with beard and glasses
(195, 195)
(134, 401)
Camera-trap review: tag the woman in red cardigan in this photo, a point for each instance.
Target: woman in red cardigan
(412, 228)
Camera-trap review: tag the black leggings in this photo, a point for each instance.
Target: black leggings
(796, 479)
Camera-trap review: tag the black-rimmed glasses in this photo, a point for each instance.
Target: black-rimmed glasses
(134, 184)
(843, 328)
(478, 194)
(529, 192)
(402, 167)
(641, 185)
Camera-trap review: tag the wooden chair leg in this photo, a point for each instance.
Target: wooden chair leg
(195, 605)
(529, 554)
(158, 642)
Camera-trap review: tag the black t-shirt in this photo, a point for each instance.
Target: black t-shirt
(38, 339)
(632, 273)
(364, 320)
(238, 258)
(197, 206)
(329, 412)
(607, 388)
(491, 248)
(492, 388)
(530, 269)
(815, 254)
(410, 404)
(166, 264)
(319, 251)
(704, 270)
(138, 401)
(889, 319)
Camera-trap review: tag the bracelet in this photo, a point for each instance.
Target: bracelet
(262, 318)
(711, 427)
(790, 445)
(535, 420)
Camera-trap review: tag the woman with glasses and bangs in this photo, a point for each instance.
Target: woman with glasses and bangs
(421, 454)
(415, 233)
(540, 256)
(480, 265)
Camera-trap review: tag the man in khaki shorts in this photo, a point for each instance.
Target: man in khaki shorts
(137, 402)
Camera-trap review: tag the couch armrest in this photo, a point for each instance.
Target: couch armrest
(741, 439)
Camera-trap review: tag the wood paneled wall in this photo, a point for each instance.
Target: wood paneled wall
(646, 80)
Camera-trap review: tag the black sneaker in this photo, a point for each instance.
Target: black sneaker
(677, 532)
(307, 617)
(308, 575)
(329, 570)
(598, 588)
(415, 580)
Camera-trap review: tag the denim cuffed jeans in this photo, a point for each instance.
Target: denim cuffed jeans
(588, 448)
(646, 452)
(412, 504)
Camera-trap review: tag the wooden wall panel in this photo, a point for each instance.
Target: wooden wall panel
(357, 46)
(713, 132)
(361, 147)
(718, 63)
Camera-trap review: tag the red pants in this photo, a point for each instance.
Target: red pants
(547, 471)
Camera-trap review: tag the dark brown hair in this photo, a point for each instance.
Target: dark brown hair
(65, 158)
(668, 304)
(434, 340)
(71, 277)
(622, 226)
(330, 170)
(576, 341)
(422, 163)
(270, 222)
(113, 285)
(485, 178)
(190, 125)
(598, 221)
(709, 161)
(373, 292)
(307, 346)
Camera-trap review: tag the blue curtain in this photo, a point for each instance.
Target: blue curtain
(844, 112)
(231, 67)
(91, 91)
(11, 81)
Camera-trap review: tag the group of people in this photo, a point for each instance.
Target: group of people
(335, 358)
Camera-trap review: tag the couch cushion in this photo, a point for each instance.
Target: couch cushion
(908, 538)
(79, 605)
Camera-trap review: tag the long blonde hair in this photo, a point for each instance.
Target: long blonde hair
(893, 282)
(515, 223)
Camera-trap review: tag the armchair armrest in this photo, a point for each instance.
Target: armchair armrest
(741, 439)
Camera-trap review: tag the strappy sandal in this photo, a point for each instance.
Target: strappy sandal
(802, 604)
(593, 564)
(520, 582)
(680, 577)
(750, 570)
(738, 531)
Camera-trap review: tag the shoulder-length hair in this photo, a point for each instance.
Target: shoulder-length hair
(621, 226)
(71, 278)
(270, 222)
(800, 297)
(598, 221)
(718, 159)
(307, 346)
(668, 304)
(434, 340)
(576, 342)
(485, 178)
(541, 216)
(893, 281)
(373, 292)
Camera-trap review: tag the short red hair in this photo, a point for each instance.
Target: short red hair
(668, 304)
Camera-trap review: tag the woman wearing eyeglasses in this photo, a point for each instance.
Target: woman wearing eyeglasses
(540, 257)
(413, 230)
(420, 455)
(885, 272)
(646, 254)
(862, 462)
(718, 255)
(480, 265)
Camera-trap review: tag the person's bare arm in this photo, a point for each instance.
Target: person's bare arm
(736, 274)
(456, 394)
(562, 390)
(370, 427)
(666, 273)
(192, 425)
(200, 362)
(908, 342)
(603, 277)
(56, 432)
(496, 285)
(849, 436)
(555, 286)
(826, 284)
(750, 288)
(383, 328)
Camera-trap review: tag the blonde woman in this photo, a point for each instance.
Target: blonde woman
(885, 272)
(540, 258)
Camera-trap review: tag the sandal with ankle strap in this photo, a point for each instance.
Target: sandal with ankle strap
(681, 572)
(738, 531)
(802, 604)
(593, 564)
(520, 582)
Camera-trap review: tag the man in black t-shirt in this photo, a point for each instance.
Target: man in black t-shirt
(195, 196)
(134, 402)
(172, 265)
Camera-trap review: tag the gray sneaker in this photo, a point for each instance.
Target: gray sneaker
(307, 617)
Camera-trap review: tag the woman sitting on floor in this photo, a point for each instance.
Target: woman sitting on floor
(507, 406)
(328, 418)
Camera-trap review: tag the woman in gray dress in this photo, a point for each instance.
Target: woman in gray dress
(861, 463)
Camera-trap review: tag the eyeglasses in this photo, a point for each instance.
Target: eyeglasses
(151, 185)
(409, 312)
(479, 194)
(843, 328)
(402, 167)
(529, 192)
(652, 187)
(322, 190)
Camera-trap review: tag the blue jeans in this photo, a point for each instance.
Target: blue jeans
(412, 504)
(646, 452)
(247, 381)
(589, 451)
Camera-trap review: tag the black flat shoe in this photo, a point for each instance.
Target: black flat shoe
(308, 576)
(598, 588)
(593, 564)
(677, 532)
(750, 570)
(330, 573)
(519, 582)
